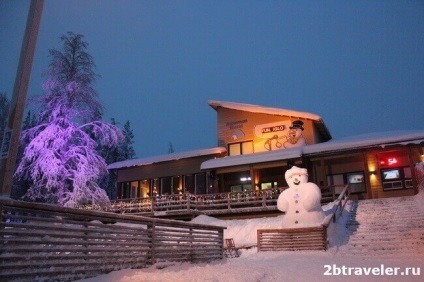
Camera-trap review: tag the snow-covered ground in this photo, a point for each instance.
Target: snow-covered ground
(283, 266)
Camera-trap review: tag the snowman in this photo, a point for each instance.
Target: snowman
(295, 135)
(301, 202)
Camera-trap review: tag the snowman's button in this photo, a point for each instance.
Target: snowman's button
(296, 201)
(296, 222)
(297, 211)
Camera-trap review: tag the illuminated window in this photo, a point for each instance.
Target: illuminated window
(145, 189)
(242, 148)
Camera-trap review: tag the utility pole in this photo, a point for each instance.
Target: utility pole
(9, 148)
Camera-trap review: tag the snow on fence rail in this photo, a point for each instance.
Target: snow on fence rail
(46, 242)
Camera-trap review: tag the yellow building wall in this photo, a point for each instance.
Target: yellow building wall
(268, 132)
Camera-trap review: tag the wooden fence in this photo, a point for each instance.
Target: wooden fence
(292, 239)
(307, 238)
(45, 242)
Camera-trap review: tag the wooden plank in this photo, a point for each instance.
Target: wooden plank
(309, 238)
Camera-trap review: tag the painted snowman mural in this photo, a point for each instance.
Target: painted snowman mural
(301, 202)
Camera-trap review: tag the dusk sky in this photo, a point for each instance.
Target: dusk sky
(357, 64)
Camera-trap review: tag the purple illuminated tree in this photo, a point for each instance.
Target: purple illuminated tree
(61, 160)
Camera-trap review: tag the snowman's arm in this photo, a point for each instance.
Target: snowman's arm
(282, 203)
(313, 198)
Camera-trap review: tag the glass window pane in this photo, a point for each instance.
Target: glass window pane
(200, 183)
(189, 184)
(166, 186)
(176, 187)
(247, 148)
(156, 187)
(234, 149)
(145, 189)
(134, 189)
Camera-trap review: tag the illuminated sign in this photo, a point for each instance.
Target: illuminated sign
(389, 161)
(273, 129)
(269, 130)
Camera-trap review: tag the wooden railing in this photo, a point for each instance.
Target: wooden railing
(190, 202)
(52, 243)
(260, 199)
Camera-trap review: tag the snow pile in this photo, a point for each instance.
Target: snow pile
(241, 230)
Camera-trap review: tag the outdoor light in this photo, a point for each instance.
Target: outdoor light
(245, 179)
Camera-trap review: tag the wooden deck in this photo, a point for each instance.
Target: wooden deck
(221, 204)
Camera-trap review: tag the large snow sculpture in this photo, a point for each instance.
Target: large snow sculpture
(301, 202)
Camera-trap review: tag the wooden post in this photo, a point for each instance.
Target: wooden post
(17, 105)
(151, 258)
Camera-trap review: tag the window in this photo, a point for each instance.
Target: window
(166, 186)
(134, 193)
(176, 188)
(145, 189)
(268, 185)
(396, 178)
(241, 188)
(189, 184)
(356, 181)
(242, 148)
(155, 187)
(200, 183)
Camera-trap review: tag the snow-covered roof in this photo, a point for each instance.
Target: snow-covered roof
(168, 157)
(260, 109)
(252, 158)
(381, 139)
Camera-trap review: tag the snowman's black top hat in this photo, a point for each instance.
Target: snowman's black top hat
(297, 124)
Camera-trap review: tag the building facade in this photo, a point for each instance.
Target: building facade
(256, 145)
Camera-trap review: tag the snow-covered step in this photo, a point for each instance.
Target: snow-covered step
(385, 226)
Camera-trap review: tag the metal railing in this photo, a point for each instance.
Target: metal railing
(338, 206)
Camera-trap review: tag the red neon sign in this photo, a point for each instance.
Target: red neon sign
(390, 161)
